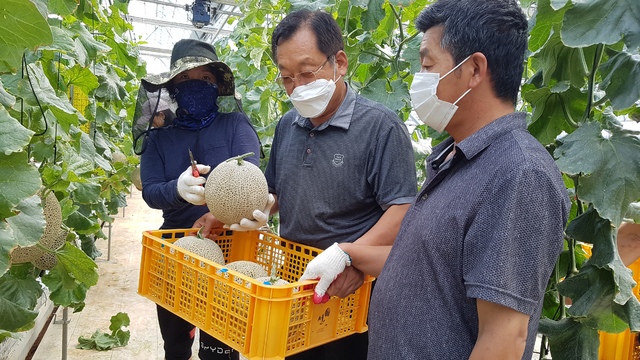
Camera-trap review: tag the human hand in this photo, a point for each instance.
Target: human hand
(260, 218)
(190, 188)
(206, 223)
(326, 266)
(346, 283)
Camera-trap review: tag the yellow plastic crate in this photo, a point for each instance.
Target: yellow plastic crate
(260, 321)
(622, 346)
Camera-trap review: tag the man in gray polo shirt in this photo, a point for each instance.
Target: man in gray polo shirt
(341, 166)
(466, 275)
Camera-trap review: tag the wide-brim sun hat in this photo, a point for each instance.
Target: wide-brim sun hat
(189, 54)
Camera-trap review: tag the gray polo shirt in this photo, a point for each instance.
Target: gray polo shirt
(488, 224)
(335, 181)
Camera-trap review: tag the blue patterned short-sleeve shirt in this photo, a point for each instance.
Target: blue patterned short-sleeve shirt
(487, 224)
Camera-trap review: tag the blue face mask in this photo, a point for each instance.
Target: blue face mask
(197, 104)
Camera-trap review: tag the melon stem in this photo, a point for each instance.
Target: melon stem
(240, 158)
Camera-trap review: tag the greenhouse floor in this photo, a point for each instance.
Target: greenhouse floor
(115, 292)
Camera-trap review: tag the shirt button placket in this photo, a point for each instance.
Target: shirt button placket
(307, 151)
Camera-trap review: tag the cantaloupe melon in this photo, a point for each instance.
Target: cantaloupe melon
(53, 238)
(249, 268)
(268, 280)
(53, 218)
(135, 178)
(117, 156)
(206, 248)
(234, 189)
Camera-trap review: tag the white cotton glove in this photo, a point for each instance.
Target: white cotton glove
(326, 267)
(260, 218)
(190, 187)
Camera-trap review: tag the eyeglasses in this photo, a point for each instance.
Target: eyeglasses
(304, 78)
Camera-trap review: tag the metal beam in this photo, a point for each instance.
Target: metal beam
(219, 11)
(155, 51)
(177, 25)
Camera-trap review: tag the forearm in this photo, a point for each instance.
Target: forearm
(384, 232)
(502, 332)
(367, 258)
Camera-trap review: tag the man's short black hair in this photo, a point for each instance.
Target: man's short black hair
(496, 28)
(322, 24)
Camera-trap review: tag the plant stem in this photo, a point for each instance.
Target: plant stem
(592, 78)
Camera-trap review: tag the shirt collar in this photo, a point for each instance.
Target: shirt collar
(481, 139)
(341, 118)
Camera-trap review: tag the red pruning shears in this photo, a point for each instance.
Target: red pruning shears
(194, 168)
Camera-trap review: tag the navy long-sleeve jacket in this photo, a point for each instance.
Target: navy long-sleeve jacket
(167, 156)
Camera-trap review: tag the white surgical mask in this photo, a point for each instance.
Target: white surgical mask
(311, 100)
(432, 111)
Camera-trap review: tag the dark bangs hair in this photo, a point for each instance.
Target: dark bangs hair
(324, 26)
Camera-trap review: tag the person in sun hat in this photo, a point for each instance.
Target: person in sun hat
(195, 80)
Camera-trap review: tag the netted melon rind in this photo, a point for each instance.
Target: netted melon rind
(21, 255)
(135, 178)
(267, 281)
(206, 248)
(233, 191)
(46, 261)
(53, 218)
(117, 156)
(248, 268)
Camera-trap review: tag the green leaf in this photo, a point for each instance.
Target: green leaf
(19, 181)
(80, 223)
(377, 91)
(65, 291)
(78, 265)
(609, 159)
(602, 22)
(111, 86)
(6, 99)
(593, 292)
(28, 225)
(35, 81)
(22, 27)
(620, 79)
(13, 136)
(373, 15)
(560, 63)
(551, 109)
(570, 340)
(70, 279)
(633, 213)
(86, 193)
(102, 341)
(81, 77)
(546, 17)
(62, 7)
(14, 317)
(91, 46)
(122, 52)
(62, 41)
(20, 287)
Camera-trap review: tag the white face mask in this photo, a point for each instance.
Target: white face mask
(432, 111)
(311, 100)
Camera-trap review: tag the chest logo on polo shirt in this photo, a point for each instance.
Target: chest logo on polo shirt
(338, 160)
